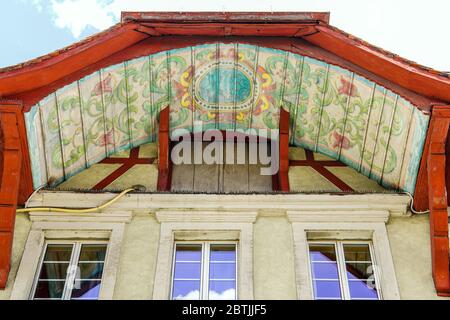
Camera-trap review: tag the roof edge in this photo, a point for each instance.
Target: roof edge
(230, 17)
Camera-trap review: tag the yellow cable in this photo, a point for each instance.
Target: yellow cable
(107, 204)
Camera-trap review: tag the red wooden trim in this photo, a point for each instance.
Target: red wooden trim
(437, 194)
(283, 173)
(164, 163)
(333, 179)
(421, 189)
(26, 178)
(127, 164)
(319, 166)
(10, 167)
(154, 45)
(113, 176)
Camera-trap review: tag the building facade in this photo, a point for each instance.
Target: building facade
(224, 156)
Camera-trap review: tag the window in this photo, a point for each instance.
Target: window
(70, 271)
(204, 271)
(343, 270)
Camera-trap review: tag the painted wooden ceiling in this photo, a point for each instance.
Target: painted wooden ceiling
(236, 87)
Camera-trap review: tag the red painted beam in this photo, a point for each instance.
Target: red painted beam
(153, 45)
(283, 173)
(437, 197)
(164, 163)
(127, 164)
(26, 177)
(10, 171)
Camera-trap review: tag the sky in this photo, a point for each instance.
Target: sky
(414, 29)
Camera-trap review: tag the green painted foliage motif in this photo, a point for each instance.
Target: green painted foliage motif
(229, 87)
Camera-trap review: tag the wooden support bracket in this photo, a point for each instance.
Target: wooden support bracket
(10, 172)
(437, 154)
(164, 162)
(281, 179)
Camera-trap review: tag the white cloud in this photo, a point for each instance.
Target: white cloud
(229, 294)
(76, 15)
(413, 29)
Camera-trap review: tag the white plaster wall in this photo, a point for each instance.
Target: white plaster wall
(138, 258)
(410, 245)
(274, 269)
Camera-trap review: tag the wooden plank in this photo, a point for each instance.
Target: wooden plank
(183, 178)
(258, 182)
(206, 178)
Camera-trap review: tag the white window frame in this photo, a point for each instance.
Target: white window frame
(351, 225)
(218, 226)
(59, 227)
(205, 262)
(342, 270)
(74, 260)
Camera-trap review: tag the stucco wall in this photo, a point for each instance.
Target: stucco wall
(274, 267)
(410, 245)
(138, 258)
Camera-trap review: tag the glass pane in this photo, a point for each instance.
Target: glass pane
(187, 273)
(222, 252)
(90, 271)
(188, 270)
(327, 289)
(192, 253)
(325, 270)
(360, 271)
(322, 252)
(357, 252)
(222, 271)
(46, 289)
(49, 290)
(53, 271)
(93, 252)
(58, 252)
(362, 289)
(324, 267)
(186, 290)
(222, 290)
(87, 290)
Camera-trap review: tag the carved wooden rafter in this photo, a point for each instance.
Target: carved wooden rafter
(437, 196)
(10, 173)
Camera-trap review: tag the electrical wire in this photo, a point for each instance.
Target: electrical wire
(88, 210)
(411, 205)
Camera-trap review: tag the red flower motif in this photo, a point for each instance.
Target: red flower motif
(347, 88)
(106, 139)
(104, 86)
(340, 141)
